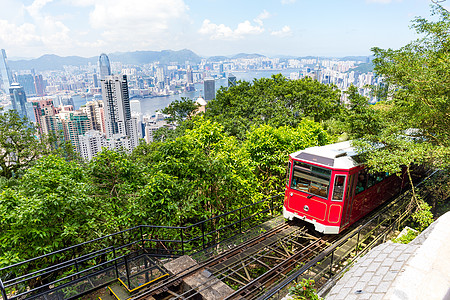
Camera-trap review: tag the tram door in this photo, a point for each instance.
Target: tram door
(349, 198)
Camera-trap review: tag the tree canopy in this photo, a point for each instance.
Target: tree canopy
(418, 106)
(19, 145)
(276, 101)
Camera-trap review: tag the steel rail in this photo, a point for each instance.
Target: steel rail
(330, 250)
(210, 262)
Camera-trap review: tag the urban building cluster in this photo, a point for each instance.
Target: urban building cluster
(113, 118)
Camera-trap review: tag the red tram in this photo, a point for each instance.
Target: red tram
(327, 187)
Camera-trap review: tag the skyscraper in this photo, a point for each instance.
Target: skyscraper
(210, 88)
(190, 77)
(5, 72)
(45, 115)
(104, 66)
(117, 109)
(231, 80)
(75, 123)
(18, 99)
(39, 85)
(27, 82)
(95, 112)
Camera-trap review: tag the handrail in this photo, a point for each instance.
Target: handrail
(338, 244)
(2, 290)
(67, 248)
(195, 236)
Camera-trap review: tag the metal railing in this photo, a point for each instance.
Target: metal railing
(79, 269)
(352, 246)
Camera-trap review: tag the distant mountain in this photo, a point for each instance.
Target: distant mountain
(50, 62)
(245, 55)
(217, 58)
(55, 62)
(355, 58)
(363, 68)
(164, 57)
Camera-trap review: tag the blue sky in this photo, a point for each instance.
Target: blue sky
(31, 28)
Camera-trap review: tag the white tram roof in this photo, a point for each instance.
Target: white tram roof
(337, 156)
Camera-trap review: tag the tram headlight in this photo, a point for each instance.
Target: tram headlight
(306, 208)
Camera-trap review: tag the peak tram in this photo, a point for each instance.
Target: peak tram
(327, 187)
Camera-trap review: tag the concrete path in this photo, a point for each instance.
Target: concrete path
(419, 270)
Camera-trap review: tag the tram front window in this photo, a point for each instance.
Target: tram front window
(311, 179)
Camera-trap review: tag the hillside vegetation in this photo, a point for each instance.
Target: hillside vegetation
(233, 155)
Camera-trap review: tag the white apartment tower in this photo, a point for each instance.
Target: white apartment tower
(91, 143)
(116, 105)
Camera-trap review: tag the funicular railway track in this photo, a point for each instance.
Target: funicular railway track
(264, 266)
(249, 268)
(254, 269)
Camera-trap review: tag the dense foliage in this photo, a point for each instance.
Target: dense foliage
(275, 101)
(200, 173)
(414, 121)
(232, 155)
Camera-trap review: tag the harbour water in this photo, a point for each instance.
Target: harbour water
(149, 106)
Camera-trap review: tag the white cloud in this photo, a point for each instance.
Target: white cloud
(41, 32)
(245, 28)
(13, 35)
(262, 16)
(138, 23)
(216, 32)
(285, 31)
(35, 8)
(223, 32)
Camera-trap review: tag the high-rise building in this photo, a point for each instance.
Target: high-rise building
(94, 110)
(18, 99)
(45, 115)
(231, 80)
(190, 77)
(104, 66)
(27, 82)
(39, 85)
(95, 80)
(117, 110)
(135, 106)
(5, 72)
(210, 88)
(91, 143)
(75, 123)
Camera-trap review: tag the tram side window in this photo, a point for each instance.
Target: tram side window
(338, 188)
(288, 172)
(361, 185)
(311, 179)
(375, 178)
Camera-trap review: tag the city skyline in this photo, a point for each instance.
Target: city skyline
(29, 29)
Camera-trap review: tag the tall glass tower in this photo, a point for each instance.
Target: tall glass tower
(104, 66)
(5, 72)
(18, 99)
(210, 88)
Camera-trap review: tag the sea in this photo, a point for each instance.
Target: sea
(150, 105)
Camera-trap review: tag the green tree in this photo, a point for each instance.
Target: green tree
(269, 148)
(276, 101)
(179, 110)
(418, 77)
(115, 180)
(211, 171)
(50, 209)
(19, 146)
(360, 118)
(417, 111)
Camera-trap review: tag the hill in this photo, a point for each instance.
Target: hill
(55, 62)
(246, 55)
